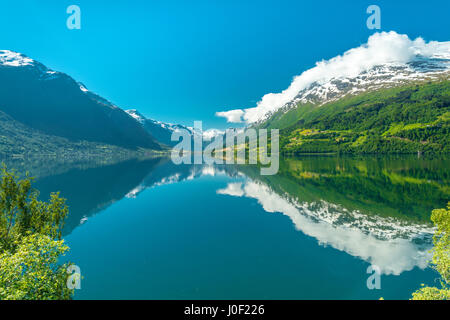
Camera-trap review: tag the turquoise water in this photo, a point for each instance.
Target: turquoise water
(154, 230)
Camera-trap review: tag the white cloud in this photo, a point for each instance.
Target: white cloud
(208, 171)
(381, 48)
(234, 116)
(393, 255)
(232, 189)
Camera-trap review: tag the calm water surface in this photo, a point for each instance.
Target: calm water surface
(152, 230)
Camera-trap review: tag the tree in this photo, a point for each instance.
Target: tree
(31, 272)
(30, 242)
(21, 211)
(441, 257)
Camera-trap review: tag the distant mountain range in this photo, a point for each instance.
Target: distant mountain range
(51, 107)
(162, 131)
(47, 112)
(399, 103)
(159, 130)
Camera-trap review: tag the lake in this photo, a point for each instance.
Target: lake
(150, 229)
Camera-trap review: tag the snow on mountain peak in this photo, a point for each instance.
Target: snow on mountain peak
(10, 58)
(169, 127)
(387, 58)
(14, 59)
(136, 115)
(211, 134)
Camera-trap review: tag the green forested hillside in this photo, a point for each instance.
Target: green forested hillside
(398, 186)
(17, 139)
(57, 106)
(406, 119)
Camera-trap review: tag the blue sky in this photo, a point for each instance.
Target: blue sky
(180, 61)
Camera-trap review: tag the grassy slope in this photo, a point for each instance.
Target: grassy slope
(405, 119)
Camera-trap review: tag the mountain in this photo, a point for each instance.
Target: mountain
(409, 119)
(52, 104)
(162, 131)
(379, 77)
(19, 140)
(391, 95)
(387, 60)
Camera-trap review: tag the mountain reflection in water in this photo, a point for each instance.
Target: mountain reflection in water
(375, 209)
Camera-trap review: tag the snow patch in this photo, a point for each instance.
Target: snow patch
(386, 59)
(14, 59)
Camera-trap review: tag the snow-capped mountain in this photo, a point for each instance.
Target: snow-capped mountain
(14, 59)
(388, 59)
(136, 115)
(391, 244)
(380, 76)
(211, 134)
(55, 104)
(168, 126)
(377, 77)
(162, 131)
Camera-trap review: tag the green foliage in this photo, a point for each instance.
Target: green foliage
(21, 211)
(408, 119)
(30, 245)
(31, 272)
(441, 257)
